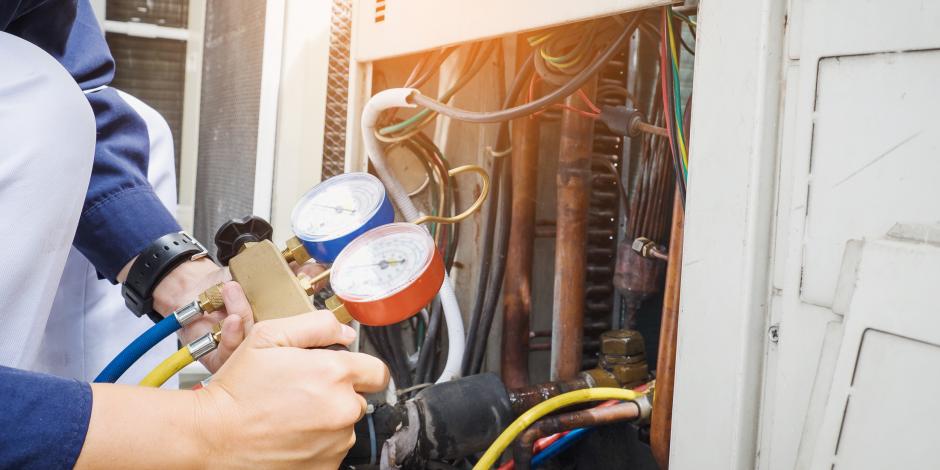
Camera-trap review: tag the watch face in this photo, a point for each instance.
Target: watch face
(382, 262)
(337, 207)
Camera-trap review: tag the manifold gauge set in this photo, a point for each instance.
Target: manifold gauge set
(383, 272)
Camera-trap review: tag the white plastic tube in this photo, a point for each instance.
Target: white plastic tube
(398, 98)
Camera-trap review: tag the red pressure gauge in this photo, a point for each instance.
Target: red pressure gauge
(388, 274)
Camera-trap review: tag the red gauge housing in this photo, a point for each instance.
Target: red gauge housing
(401, 301)
(403, 304)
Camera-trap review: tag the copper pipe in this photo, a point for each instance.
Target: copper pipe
(661, 420)
(650, 129)
(574, 183)
(522, 399)
(517, 286)
(522, 451)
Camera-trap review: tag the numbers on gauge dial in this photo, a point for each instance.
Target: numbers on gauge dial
(337, 207)
(383, 265)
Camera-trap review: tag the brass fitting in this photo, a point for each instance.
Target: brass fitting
(295, 251)
(339, 310)
(210, 299)
(601, 378)
(623, 355)
(648, 249)
(622, 343)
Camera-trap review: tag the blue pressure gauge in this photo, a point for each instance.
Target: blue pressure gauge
(337, 211)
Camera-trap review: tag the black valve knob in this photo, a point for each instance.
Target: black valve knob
(234, 234)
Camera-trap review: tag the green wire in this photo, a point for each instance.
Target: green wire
(677, 95)
(406, 123)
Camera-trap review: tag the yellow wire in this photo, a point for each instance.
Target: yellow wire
(548, 406)
(168, 368)
(484, 191)
(539, 39)
(675, 60)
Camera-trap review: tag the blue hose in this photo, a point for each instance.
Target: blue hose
(138, 348)
(560, 446)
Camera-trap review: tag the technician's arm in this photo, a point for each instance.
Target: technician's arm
(273, 404)
(121, 214)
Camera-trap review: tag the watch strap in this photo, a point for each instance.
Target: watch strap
(152, 265)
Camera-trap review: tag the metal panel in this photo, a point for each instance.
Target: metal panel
(229, 112)
(170, 13)
(869, 165)
(387, 28)
(154, 71)
(889, 350)
(850, 97)
(729, 220)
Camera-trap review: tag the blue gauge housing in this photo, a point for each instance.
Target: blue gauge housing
(324, 248)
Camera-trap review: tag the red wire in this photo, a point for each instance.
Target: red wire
(594, 112)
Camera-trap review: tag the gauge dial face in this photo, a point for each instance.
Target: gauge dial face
(382, 262)
(337, 206)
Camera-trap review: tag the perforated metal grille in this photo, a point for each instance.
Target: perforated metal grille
(334, 128)
(231, 94)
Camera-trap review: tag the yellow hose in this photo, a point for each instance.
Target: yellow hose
(168, 368)
(548, 406)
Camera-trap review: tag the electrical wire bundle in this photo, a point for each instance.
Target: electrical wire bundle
(671, 94)
(443, 199)
(564, 58)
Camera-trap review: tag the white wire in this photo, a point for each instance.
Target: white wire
(398, 98)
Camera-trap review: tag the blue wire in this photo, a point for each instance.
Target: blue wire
(373, 447)
(138, 348)
(560, 446)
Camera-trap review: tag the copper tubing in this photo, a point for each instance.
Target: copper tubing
(661, 420)
(524, 398)
(517, 286)
(574, 183)
(650, 129)
(522, 450)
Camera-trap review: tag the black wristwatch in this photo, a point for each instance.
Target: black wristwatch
(152, 265)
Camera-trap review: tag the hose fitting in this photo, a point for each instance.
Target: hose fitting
(188, 313)
(205, 344)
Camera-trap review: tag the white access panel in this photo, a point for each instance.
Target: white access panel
(387, 28)
(881, 408)
(856, 156)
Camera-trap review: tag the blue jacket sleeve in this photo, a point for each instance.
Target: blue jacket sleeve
(121, 214)
(43, 420)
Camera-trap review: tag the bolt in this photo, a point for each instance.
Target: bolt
(622, 343)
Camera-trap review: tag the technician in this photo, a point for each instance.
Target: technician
(73, 160)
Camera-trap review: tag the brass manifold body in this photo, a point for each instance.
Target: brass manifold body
(272, 288)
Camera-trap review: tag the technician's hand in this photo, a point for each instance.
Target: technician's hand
(276, 403)
(187, 281)
(183, 285)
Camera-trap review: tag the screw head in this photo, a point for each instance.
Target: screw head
(774, 333)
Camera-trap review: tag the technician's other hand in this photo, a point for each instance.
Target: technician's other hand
(276, 403)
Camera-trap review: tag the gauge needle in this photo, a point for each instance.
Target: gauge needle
(336, 208)
(381, 264)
